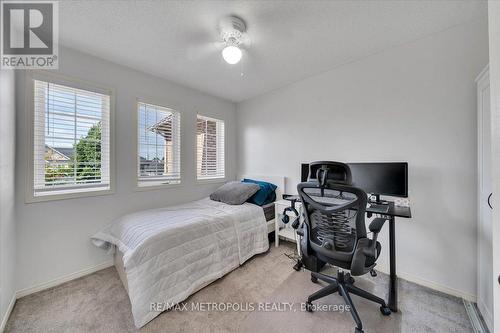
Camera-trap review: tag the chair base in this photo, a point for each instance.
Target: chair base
(343, 284)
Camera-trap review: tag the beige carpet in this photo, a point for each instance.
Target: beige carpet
(99, 303)
(421, 309)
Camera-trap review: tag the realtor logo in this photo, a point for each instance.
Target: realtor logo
(29, 34)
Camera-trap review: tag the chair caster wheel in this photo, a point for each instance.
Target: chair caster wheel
(358, 330)
(385, 310)
(309, 307)
(314, 279)
(373, 273)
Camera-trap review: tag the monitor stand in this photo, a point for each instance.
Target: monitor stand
(377, 200)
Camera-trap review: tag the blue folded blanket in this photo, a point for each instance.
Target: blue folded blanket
(265, 195)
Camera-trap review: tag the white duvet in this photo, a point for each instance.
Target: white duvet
(170, 253)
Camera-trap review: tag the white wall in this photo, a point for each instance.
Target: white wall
(7, 192)
(415, 103)
(53, 237)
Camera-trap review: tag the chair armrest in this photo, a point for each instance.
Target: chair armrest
(377, 224)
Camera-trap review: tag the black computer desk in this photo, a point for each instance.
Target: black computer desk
(393, 212)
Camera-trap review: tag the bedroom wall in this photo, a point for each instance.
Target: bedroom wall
(7, 193)
(53, 237)
(414, 102)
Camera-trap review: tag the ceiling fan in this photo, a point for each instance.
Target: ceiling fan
(232, 31)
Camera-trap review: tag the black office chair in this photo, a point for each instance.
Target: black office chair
(334, 232)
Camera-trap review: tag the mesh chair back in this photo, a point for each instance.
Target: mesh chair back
(335, 215)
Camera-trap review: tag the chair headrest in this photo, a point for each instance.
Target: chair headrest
(330, 171)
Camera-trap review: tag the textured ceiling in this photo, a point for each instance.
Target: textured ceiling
(290, 40)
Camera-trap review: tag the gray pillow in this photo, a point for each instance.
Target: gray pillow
(234, 193)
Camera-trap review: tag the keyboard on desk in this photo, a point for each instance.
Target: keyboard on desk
(378, 208)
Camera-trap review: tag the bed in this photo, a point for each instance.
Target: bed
(164, 255)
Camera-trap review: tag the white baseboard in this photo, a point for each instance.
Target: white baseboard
(429, 284)
(62, 279)
(7, 313)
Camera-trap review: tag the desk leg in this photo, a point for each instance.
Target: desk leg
(276, 232)
(393, 285)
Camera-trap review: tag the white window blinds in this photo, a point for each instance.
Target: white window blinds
(210, 162)
(159, 160)
(71, 140)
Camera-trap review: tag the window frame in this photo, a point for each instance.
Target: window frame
(155, 102)
(71, 82)
(213, 180)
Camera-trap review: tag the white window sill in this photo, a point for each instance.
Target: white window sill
(211, 181)
(155, 186)
(68, 194)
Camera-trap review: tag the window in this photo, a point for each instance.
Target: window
(71, 140)
(210, 148)
(159, 160)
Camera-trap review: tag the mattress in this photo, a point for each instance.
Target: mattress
(172, 252)
(269, 211)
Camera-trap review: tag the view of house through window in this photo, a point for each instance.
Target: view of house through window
(159, 145)
(71, 139)
(210, 162)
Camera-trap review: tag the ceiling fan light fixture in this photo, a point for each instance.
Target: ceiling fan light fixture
(232, 29)
(232, 54)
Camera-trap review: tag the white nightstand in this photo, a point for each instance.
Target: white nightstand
(285, 231)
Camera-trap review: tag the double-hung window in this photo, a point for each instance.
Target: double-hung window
(159, 148)
(71, 140)
(210, 162)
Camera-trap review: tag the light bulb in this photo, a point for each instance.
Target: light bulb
(232, 54)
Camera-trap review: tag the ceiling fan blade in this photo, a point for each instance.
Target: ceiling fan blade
(246, 40)
(201, 51)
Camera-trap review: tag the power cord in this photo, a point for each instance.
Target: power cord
(292, 256)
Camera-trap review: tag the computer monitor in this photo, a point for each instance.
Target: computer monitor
(304, 172)
(389, 178)
(386, 178)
